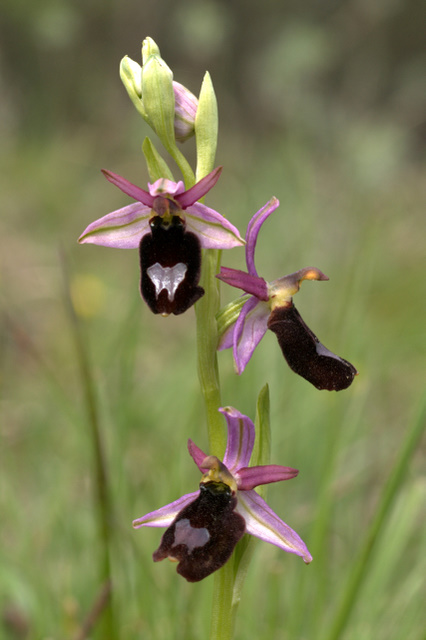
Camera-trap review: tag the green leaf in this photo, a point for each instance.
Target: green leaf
(262, 444)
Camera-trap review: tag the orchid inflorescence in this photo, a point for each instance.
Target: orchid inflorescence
(171, 228)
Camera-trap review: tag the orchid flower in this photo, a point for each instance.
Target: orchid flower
(169, 227)
(270, 306)
(203, 527)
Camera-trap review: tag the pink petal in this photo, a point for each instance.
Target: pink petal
(164, 517)
(264, 523)
(162, 186)
(122, 229)
(129, 189)
(199, 190)
(213, 230)
(250, 284)
(249, 329)
(253, 229)
(197, 455)
(227, 339)
(240, 439)
(251, 477)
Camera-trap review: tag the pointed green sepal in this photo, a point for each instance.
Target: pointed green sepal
(206, 128)
(157, 166)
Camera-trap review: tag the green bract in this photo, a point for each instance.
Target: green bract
(206, 128)
(157, 166)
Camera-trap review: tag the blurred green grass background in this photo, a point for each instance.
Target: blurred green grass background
(321, 106)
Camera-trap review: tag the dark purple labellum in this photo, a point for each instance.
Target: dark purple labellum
(170, 259)
(203, 535)
(306, 355)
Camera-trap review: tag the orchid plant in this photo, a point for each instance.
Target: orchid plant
(180, 241)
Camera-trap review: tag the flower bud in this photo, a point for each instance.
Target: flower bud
(186, 105)
(149, 48)
(157, 92)
(130, 74)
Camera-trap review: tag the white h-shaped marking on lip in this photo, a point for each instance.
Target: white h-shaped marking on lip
(168, 278)
(191, 537)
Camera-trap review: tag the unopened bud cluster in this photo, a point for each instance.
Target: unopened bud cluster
(151, 85)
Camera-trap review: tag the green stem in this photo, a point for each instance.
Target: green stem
(206, 130)
(390, 492)
(206, 309)
(222, 625)
(102, 491)
(208, 374)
